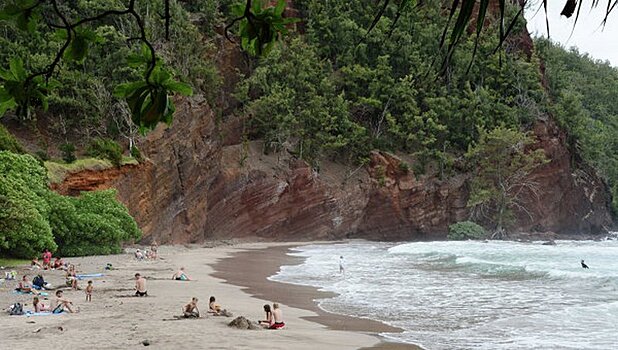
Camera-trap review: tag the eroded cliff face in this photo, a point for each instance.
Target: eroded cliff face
(195, 187)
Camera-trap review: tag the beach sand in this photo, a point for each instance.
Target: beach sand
(114, 320)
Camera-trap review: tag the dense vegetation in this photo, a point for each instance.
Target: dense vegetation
(339, 93)
(32, 217)
(584, 92)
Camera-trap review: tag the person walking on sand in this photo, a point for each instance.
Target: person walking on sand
(61, 303)
(140, 286)
(341, 265)
(89, 289)
(278, 317)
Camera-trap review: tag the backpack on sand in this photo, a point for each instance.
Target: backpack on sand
(16, 309)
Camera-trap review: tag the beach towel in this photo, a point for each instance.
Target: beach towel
(88, 275)
(29, 293)
(46, 313)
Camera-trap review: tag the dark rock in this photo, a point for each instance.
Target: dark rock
(549, 243)
(146, 342)
(242, 322)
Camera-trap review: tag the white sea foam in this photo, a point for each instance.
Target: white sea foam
(473, 295)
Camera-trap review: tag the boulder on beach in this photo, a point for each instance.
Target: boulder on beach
(242, 322)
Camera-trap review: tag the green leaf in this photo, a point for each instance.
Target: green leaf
(181, 88)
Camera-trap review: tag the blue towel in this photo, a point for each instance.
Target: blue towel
(88, 275)
(29, 293)
(30, 313)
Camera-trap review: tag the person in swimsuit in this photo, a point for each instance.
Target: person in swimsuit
(89, 290)
(58, 264)
(181, 275)
(214, 308)
(269, 317)
(190, 310)
(24, 286)
(154, 248)
(38, 306)
(584, 266)
(71, 277)
(35, 264)
(47, 256)
(278, 317)
(140, 286)
(61, 304)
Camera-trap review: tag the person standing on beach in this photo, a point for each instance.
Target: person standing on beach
(47, 256)
(89, 290)
(341, 265)
(140, 286)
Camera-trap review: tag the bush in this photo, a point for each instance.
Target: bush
(94, 223)
(42, 155)
(106, 149)
(8, 142)
(24, 230)
(33, 218)
(465, 230)
(68, 152)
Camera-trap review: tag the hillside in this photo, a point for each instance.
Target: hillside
(334, 134)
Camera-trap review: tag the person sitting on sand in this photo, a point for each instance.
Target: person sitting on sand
(139, 255)
(181, 275)
(190, 310)
(140, 286)
(35, 264)
(60, 304)
(25, 286)
(278, 316)
(269, 317)
(154, 249)
(39, 306)
(71, 277)
(214, 308)
(58, 264)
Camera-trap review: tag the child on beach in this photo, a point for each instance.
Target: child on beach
(140, 286)
(269, 317)
(278, 316)
(190, 310)
(89, 290)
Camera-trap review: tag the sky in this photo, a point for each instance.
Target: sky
(589, 36)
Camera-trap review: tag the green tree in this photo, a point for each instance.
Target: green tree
(502, 162)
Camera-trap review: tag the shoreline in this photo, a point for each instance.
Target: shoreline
(250, 268)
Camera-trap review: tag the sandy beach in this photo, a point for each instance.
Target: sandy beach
(235, 274)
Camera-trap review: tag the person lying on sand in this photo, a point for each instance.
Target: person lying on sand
(181, 275)
(60, 304)
(278, 316)
(39, 306)
(24, 286)
(190, 310)
(140, 286)
(269, 317)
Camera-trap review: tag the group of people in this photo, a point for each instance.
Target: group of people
(148, 254)
(47, 264)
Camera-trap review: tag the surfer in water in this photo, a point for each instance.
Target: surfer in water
(584, 265)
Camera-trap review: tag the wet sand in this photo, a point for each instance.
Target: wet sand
(250, 269)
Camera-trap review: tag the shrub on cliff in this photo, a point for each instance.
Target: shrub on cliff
(465, 230)
(68, 152)
(106, 149)
(8, 142)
